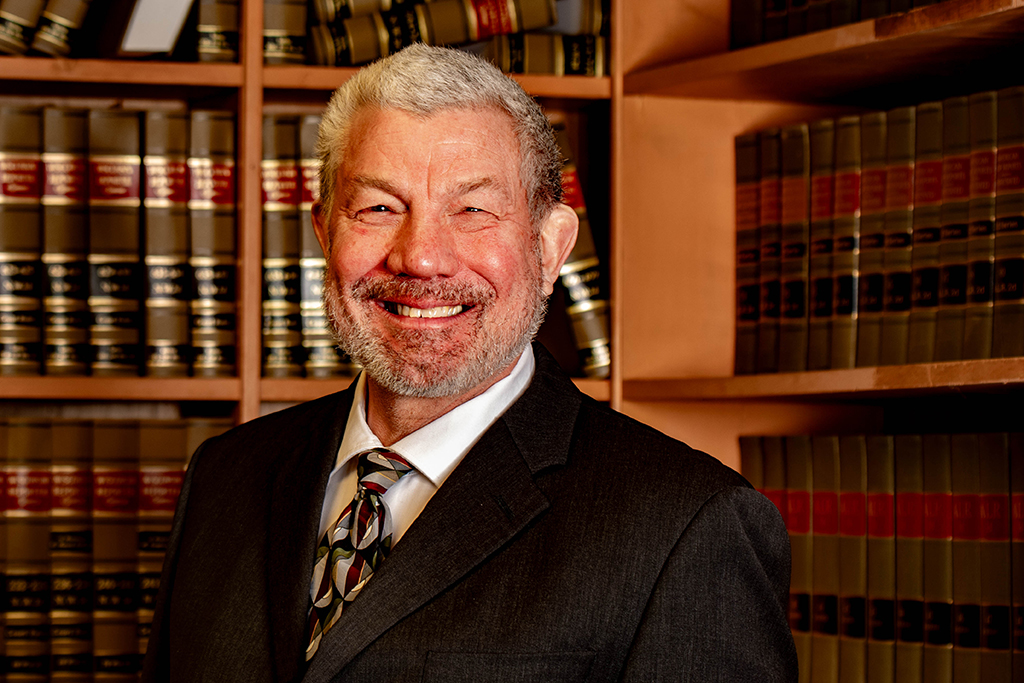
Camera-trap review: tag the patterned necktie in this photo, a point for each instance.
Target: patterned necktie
(353, 547)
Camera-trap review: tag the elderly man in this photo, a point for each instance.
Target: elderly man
(461, 512)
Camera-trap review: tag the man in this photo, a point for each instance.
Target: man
(518, 530)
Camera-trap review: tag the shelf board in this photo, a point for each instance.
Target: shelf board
(329, 78)
(296, 390)
(120, 71)
(120, 388)
(954, 45)
(882, 382)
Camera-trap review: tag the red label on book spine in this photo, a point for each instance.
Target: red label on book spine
(115, 180)
(847, 194)
(928, 183)
(1017, 516)
(794, 199)
(983, 172)
(778, 498)
(853, 518)
(965, 517)
(798, 512)
(493, 18)
(280, 181)
(899, 188)
(21, 179)
(115, 491)
(994, 517)
(1009, 169)
(28, 490)
(311, 181)
(747, 205)
(770, 204)
(64, 179)
(826, 513)
(908, 515)
(159, 488)
(822, 199)
(166, 181)
(938, 515)
(956, 178)
(880, 517)
(873, 182)
(572, 193)
(72, 488)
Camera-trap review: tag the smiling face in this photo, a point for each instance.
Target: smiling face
(436, 280)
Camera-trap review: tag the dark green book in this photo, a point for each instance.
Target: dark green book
(822, 295)
(909, 557)
(770, 240)
(881, 584)
(937, 580)
(981, 236)
(846, 243)
(994, 548)
(853, 558)
(748, 290)
(799, 485)
(795, 235)
(825, 662)
(966, 559)
(871, 286)
(1008, 315)
(899, 216)
(927, 233)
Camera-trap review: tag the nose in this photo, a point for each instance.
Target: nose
(423, 248)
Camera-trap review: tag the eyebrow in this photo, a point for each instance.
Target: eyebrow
(377, 183)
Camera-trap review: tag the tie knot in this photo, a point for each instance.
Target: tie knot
(379, 468)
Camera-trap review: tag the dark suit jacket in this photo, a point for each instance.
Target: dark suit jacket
(572, 543)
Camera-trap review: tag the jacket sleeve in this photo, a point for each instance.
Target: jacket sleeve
(719, 609)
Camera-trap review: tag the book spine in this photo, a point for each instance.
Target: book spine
(27, 585)
(956, 176)
(168, 278)
(18, 21)
(547, 53)
(3, 540)
(770, 244)
(881, 584)
(748, 190)
(115, 272)
(937, 579)
(796, 17)
(59, 27)
(799, 461)
(819, 15)
(752, 461)
(966, 559)
(746, 23)
(284, 31)
(774, 449)
(995, 560)
(853, 558)
(821, 296)
(115, 499)
(775, 25)
(825, 546)
(871, 287)
(846, 243)
(65, 242)
(217, 30)
(844, 12)
(1016, 450)
(793, 322)
(20, 240)
(200, 429)
(580, 277)
(899, 215)
(1008, 315)
(870, 9)
(981, 232)
(71, 601)
(211, 207)
(909, 558)
(927, 233)
(282, 324)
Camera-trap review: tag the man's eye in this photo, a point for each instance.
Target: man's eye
(473, 209)
(379, 208)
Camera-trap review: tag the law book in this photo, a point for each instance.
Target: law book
(899, 216)
(937, 579)
(927, 234)
(71, 553)
(20, 240)
(586, 17)
(871, 286)
(3, 530)
(548, 53)
(746, 23)
(752, 461)
(1016, 451)
(27, 585)
(819, 15)
(796, 17)
(775, 25)
(199, 430)
(65, 241)
(795, 236)
(115, 508)
(966, 559)
(284, 31)
(211, 208)
(217, 31)
(881, 542)
(774, 450)
(825, 549)
(770, 245)
(1008, 314)
(981, 236)
(995, 557)
(163, 446)
(748, 189)
(282, 323)
(853, 558)
(799, 484)
(870, 9)
(580, 277)
(327, 11)
(846, 243)
(844, 12)
(907, 455)
(950, 318)
(18, 21)
(57, 32)
(115, 268)
(166, 245)
(821, 295)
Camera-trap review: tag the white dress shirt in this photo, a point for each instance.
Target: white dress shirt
(434, 449)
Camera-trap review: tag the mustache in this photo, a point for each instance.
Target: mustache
(386, 287)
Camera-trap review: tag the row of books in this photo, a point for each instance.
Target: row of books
(908, 552)
(295, 338)
(752, 22)
(117, 242)
(87, 511)
(336, 33)
(888, 238)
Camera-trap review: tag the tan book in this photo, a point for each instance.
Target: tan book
(909, 558)
(748, 185)
(966, 560)
(59, 27)
(853, 558)
(752, 461)
(284, 31)
(217, 30)
(981, 237)
(71, 553)
(770, 241)
(937, 525)
(825, 545)
(899, 216)
(1016, 448)
(927, 233)
(881, 584)
(1008, 314)
(846, 243)
(18, 20)
(799, 483)
(774, 450)
(995, 553)
(200, 429)
(871, 286)
(27, 594)
(793, 269)
(548, 53)
(821, 295)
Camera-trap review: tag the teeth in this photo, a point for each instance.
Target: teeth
(438, 312)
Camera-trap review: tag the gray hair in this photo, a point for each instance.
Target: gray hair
(423, 80)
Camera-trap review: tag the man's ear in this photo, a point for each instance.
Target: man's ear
(321, 224)
(557, 238)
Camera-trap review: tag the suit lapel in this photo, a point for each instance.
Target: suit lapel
(296, 499)
(495, 481)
